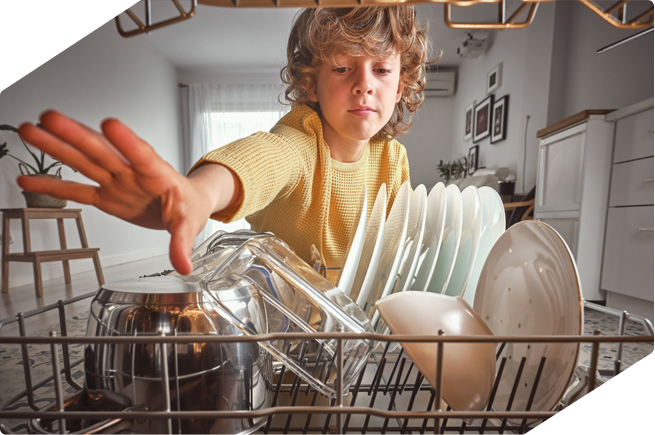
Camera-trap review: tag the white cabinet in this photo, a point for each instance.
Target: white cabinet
(628, 255)
(573, 182)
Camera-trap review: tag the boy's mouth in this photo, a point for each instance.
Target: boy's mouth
(362, 111)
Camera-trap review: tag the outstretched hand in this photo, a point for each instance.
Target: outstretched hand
(133, 182)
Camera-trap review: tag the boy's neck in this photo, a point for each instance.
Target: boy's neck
(348, 153)
(344, 150)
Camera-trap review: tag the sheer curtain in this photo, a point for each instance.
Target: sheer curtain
(220, 114)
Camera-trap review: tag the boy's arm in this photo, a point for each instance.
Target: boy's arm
(133, 182)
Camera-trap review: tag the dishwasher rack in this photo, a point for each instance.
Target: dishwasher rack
(395, 398)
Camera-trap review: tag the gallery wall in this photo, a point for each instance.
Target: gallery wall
(103, 75)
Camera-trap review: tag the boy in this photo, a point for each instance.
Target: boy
(351, 74)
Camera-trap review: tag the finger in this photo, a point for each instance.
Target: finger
(182, 237)
(89, 142)
(138, 152)
(63, 152)
(69, 190)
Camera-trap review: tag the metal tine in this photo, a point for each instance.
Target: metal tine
(326, 426)
(493, 392)
(354, 398)
(445, 421)
(594, 363)
(378, 374)
(534, 391)
(26, 363)
(64, 347)
(425, 421)
(59, 394)
(275, 396)
(393, 371)
(409, 372)
(165, 381)
(375, 392)
(295, 396)
(177, 382)
(318, 359)
(309, 416)
(386, 349)
(417, 387)
(393, 394)
(301, 358)
(513, 393)
(500, 350)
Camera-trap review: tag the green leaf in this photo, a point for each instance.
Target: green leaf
(6, 127)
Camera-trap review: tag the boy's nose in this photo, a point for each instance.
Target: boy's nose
(363, 84)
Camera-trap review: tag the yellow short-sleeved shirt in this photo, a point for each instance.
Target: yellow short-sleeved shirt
(294, 189)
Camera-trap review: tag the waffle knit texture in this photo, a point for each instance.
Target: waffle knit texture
(294, 189)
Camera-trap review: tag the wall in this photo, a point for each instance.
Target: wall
(610, 80)
(429, 140)
(525, 55)
(102, 75)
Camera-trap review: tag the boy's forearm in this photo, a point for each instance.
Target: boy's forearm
(218, 184)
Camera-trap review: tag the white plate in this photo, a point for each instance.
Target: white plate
(434, 227)
(355, 246)
(493, 226)
(392, 249)
(529, 285)
(449, 241)
(468, 242)
(414, 240)
(468, 368)
(368, 262)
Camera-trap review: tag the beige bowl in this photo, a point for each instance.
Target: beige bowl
(468, 368)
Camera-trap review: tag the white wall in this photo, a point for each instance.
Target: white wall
(610, 80)
(429, 140)
(103, 75)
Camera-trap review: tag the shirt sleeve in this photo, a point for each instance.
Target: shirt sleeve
(266, 167)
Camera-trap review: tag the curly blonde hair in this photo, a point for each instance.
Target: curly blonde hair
(321, 34)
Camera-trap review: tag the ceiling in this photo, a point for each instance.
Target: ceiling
(240, 40)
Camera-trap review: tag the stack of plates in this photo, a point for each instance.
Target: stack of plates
(519, 282)
(436, 243)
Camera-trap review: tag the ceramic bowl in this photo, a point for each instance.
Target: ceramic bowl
(468, 368)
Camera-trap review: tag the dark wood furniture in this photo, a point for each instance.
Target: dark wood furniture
(36, 258)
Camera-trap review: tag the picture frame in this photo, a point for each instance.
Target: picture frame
(469, 113)
(499, 119)
(482, 119)
(473, 159)
(494, 78)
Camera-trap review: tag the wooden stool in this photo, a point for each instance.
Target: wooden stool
(36, 258)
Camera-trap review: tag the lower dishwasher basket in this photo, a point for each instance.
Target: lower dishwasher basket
(390, 394)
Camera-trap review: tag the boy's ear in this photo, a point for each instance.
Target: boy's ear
(313, 96)
(400, 90)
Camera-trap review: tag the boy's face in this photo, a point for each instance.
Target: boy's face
(357, 97)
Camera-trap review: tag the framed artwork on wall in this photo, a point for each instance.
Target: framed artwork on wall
(468, 121)
(494, 78)
(473, 159)
(482, 119)
(499, 119)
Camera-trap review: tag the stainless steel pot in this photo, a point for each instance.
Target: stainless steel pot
(202, 376)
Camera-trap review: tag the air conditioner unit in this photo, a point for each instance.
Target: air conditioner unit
(439, 84)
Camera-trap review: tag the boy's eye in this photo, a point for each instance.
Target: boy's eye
(340, 69)
(383, 71)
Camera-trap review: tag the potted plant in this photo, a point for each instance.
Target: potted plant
(455, 169)
(39, 169)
